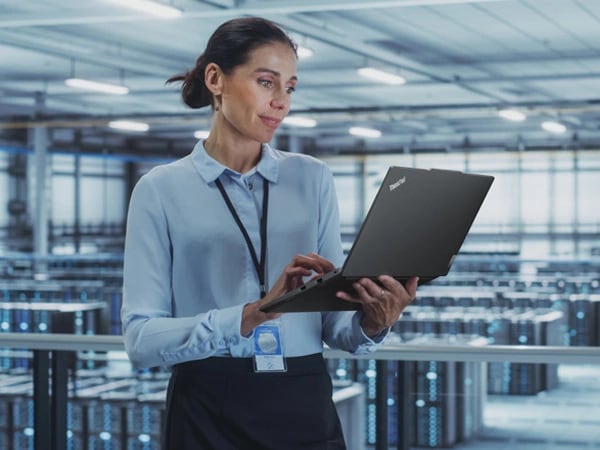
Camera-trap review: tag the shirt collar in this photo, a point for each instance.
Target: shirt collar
(210, 169)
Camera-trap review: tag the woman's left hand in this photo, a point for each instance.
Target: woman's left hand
(383, 302)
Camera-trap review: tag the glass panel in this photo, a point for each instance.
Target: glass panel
(346, 187)
(115, 200)
(93, 200)
(535, 160)
(347, 176)
(98, 165)
(492, 162)
(102, 200)
(561, 195)
(535, 202)
(450, 161)
(588, 198)
(500, 210)
(373, 181)
(4, 198)
(588, 159)
(382, 162)
(563, 160)
(62, 163)
(63, 200)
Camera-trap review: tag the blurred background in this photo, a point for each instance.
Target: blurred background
(508, 88)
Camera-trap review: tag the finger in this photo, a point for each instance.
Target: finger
(299, 272)
(371, 288)
(391, 284)
(347, 297)
(361, 290)
(394, 286)
(325, 264)
(314, 263)
(411, 286)
(318, 275)
(359, 298)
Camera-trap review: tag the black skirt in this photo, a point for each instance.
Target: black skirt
(222, 404)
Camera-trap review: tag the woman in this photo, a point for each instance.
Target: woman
(216, 234)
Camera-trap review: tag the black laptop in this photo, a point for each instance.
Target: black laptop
(415, 227)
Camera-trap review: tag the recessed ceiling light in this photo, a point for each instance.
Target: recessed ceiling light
(297, 121)
(96, 86)
(512, 114)
(381, 76)
(129, 125)
(554, 127)
(151, 7)
(365, 132)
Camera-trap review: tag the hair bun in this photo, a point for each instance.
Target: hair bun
(193, 91)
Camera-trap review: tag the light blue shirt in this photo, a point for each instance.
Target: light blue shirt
(188, 271)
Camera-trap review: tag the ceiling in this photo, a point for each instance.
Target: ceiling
(463, 61)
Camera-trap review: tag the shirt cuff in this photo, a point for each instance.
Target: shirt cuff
(228, 326)
(367, 344)
(377, 339)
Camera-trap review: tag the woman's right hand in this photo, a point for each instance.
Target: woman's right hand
(292, 276)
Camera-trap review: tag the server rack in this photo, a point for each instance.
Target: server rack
(495, 301)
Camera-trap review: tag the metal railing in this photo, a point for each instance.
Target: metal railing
(394, 352)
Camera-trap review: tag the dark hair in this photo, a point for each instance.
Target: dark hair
(228, 47)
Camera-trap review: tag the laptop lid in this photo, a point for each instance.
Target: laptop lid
(417, 223)
(415, 227)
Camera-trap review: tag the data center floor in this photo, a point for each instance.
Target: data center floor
(565, 418)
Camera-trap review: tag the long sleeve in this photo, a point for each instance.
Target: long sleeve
(153, 336)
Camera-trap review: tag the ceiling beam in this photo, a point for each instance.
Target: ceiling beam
(398, 112)
(39, 44)
(258, 8)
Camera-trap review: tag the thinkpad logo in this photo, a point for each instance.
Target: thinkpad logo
(398, 183)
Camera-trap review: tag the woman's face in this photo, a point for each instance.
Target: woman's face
(256, 96)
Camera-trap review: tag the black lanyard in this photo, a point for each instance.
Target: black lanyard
(258, 265)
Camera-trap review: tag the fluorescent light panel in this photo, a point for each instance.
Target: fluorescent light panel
(304, 52)
(554, 127)
(97, 86)
(365, 132)
(513, 115)
(297, 121)
(151, 7)
(129, 125)
(381, 76)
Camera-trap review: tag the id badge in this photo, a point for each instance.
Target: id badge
(268, 352)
